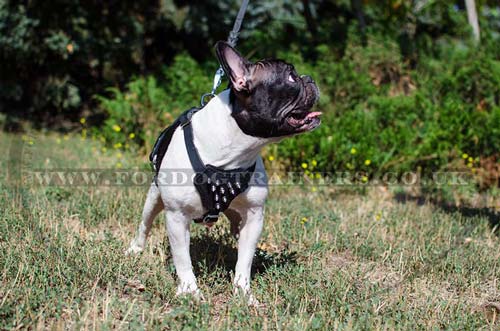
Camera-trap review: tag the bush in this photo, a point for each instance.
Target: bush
(385, 117)
(132, 115)
(136, 116)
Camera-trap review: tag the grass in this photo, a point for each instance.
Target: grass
(330, 259)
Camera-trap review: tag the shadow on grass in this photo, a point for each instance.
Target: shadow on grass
(490, 214)
(210, 254)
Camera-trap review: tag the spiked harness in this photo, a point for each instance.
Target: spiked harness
(217, 187)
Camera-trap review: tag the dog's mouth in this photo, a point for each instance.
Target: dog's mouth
(304, 121)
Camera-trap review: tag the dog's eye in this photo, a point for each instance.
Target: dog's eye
(291, 78)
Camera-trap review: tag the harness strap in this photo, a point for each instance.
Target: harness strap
(194, 156)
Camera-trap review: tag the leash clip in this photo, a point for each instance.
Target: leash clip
(217, 80)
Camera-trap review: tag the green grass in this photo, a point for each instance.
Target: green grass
(330, 259)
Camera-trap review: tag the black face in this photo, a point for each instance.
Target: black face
(272, 100)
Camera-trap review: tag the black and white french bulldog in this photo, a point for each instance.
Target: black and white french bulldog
(267, 101)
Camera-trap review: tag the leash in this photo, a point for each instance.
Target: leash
(232, 39)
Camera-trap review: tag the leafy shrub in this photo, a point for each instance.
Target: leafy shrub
(132, 115)
(136, 116)
(450, 111)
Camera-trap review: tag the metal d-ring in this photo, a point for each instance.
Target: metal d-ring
(204, 96)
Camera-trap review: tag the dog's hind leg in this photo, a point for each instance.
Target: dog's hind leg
(152, 207)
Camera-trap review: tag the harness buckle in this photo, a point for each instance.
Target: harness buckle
(209, 219)
(188, 115)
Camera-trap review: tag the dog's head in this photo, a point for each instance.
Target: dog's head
(269, 98)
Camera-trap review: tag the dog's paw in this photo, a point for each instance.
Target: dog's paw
(252, 301)
(134, 249)
(191, 291)
(248, 296)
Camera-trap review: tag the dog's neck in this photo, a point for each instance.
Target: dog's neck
(219, 139)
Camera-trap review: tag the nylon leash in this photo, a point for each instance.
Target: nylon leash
(232, 40)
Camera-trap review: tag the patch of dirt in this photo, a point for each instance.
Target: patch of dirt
(491, 311)
(390, 73)
(488, 173)
(373, 272)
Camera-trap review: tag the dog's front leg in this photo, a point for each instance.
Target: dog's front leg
(178, 237)
(250, 231)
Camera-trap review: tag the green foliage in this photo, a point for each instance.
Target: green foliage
(132, 115)
(137, 115)
(385, 117)
(56, 55)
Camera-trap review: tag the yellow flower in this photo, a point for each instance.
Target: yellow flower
(313, 189)
(58, 140)
(378, 217)
(132, 135)
(349, 166)
(127, 146)
(104, 149)
(364, 179)
(117, 145)
(304, 165)
(24, 138)
(353, 151)
(318, 175)
(31, 142)
(118, 165)
(470, 159)
(314, 163)
(83, 120)
(368, 162)
(469, 165)
(119, 155)
(465, 155)
(303, 220)
(116, 128)
(271, 158)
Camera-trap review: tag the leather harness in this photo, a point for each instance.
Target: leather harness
(217, 187)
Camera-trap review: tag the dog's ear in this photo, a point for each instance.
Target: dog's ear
(236, 67)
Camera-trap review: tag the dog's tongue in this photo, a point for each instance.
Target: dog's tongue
(313, 114)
